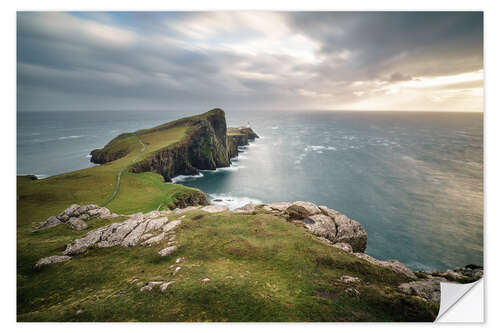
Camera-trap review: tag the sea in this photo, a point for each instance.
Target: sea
(414, 180)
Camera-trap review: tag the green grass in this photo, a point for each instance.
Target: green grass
(261, 268)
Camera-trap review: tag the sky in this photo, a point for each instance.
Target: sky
(409, 61)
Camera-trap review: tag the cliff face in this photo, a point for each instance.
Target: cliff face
(239, 137)
(203, 147)
(208, 144)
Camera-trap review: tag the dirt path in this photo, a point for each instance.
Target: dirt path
(117, 188)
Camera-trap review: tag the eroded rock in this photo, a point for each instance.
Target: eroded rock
(167, 251)
(392, 264)
(215, 208)
(51, 260)
(429, 290)
(322, 226)
(246, 209)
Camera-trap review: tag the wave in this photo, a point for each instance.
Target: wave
(275, 127)
(186, 178)
(69, 137)
(231, 201)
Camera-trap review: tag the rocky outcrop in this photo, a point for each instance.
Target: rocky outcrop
(428, 286)
(51, 260)
(128, 233)
(205, 146)
(202, 148)
(392, 264)
(75, 216)
(238, 137)
(323, 222)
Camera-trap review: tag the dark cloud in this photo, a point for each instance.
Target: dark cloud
(91, 60)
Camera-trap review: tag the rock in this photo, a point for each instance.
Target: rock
(69, 212)
(279, 206)
(215, 209)
(348, 230)
(156, 224)
(165, 285)
(180, 260)
(167, 251)
(153, 214)
(50, 222)
(151, 285)
(185, 210)
(344, 247)
(154, 240)
(392, 264)
(115, 233)
(171, 225)
(246, 209)
(176, 270)
(311, 208)
(205, 280)
(429, 289)
(145, 236)
(135, 235)
(77, 223)
(296, 212)
(453, 276)
(82, 244)
(322, 226)
(349, 279)
(352, 292)
(51, 260)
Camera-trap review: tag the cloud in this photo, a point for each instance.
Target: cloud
(325, 60)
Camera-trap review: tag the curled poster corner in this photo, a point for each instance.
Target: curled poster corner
(461, 303)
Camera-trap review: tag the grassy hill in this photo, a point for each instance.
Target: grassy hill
(260, 266)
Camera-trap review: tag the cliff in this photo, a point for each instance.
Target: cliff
(239, 137)
(207, 144)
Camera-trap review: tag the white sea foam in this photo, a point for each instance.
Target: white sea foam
(69, 137)
(231, 201)
(331, 148)
(275, 127)
(186, 178)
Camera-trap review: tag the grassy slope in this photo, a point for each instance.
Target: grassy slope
(261, 267)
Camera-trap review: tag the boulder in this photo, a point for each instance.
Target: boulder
(156, 224)
(279, 206)
(150, 285)
(296, 212)
(311, 208)
(348, 230)
(50, 222)
(429, 290)
(392, 264)
(349, 279)
(322, 226)
(171, 225)
(167, 251)
(154, 240)
(164, 286)
(343, 246)
(215, 209)
(249, 208)
(77, 223)
(51, 260)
